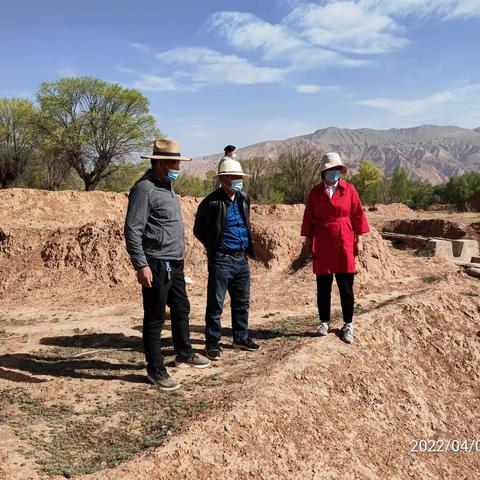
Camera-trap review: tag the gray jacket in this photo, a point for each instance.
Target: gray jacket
(153, 226)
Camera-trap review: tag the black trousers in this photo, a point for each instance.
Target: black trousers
(167, 289)
(324, 293)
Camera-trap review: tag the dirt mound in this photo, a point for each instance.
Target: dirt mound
(6, 243)
(278, 211)
(393, 209)
(95, 249)
(473, 231)
(427, 228)
(377, 260)
(46, 209)
(413, 361)
(276, 246)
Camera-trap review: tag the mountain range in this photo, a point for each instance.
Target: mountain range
(428, 152)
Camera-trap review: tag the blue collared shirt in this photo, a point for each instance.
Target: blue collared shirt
(235, 235)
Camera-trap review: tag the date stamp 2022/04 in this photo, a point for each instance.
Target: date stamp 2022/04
(444, 446)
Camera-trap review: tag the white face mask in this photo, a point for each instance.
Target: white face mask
(233, 156)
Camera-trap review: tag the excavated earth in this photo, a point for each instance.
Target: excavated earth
(74, 401)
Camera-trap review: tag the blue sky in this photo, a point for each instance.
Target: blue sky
(241, 72)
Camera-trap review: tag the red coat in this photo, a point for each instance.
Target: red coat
(333, 224)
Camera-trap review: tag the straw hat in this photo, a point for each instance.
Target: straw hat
(331, 160)
(166, 150)
(229, 166)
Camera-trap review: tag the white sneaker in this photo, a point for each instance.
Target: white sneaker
(347, 333)
(323, 328)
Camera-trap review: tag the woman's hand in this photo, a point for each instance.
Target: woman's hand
(358, 246)
(308, 246)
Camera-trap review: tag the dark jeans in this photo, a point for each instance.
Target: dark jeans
(324, 291)
(171, 292)
(232, 274)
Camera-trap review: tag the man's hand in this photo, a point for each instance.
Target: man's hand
(358, 246)
(145, 276)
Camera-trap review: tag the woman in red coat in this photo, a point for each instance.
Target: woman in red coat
(333, 224)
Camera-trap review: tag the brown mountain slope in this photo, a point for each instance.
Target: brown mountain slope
(428, 152)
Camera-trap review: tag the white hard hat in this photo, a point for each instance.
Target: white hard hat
(229, 166)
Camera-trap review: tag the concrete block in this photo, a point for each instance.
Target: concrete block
(440, 248)
(464, 250)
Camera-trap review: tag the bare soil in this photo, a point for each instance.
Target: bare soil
(73, 397)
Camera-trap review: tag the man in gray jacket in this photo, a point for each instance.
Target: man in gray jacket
(154, 234)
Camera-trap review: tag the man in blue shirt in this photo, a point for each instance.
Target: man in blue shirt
(222, 224)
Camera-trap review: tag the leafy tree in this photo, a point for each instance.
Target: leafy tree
(369, 182)
(95, 123)
(458, 189)
(400, 184)
(17, 138)
(421, 195)
(122, 176)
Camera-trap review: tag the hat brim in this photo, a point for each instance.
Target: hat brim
(239, 174)
(328, 167)
(161, 157)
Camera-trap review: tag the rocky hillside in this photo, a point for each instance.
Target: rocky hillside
(429, 153)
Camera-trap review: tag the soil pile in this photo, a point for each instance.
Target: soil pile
(427, 228)
(95, 249)
(377, 260)
(398, 210)
(61, 249)
(413, 361)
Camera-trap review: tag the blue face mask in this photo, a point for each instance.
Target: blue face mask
(333, 175)
(237, 185)
(171, 175)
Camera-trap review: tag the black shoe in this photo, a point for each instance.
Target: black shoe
(247, 344)
(162, 380)
(214, 352)
(193, 360)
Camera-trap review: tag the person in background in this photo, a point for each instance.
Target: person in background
(222, 225)
(154, 234)
(229, 153)
(333, 224)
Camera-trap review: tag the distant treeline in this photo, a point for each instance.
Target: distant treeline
(87, 133)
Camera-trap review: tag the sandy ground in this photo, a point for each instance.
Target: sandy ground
(74, 402)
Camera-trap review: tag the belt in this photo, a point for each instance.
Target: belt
(232, 253)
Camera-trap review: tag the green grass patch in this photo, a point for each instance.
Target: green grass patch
(73, 443)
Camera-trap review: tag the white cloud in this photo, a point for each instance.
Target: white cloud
(205, 66)
(248, 32)
(329, 32)
(140, 46)
(313, 88)
(347, 26)
(154, 83)
(445, 9)
(280, 42)
(459, 105)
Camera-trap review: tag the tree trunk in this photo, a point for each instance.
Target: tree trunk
(89, 185)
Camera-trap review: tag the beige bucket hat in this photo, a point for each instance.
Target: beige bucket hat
(332, 160)
(166, 150)
(229, 166)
